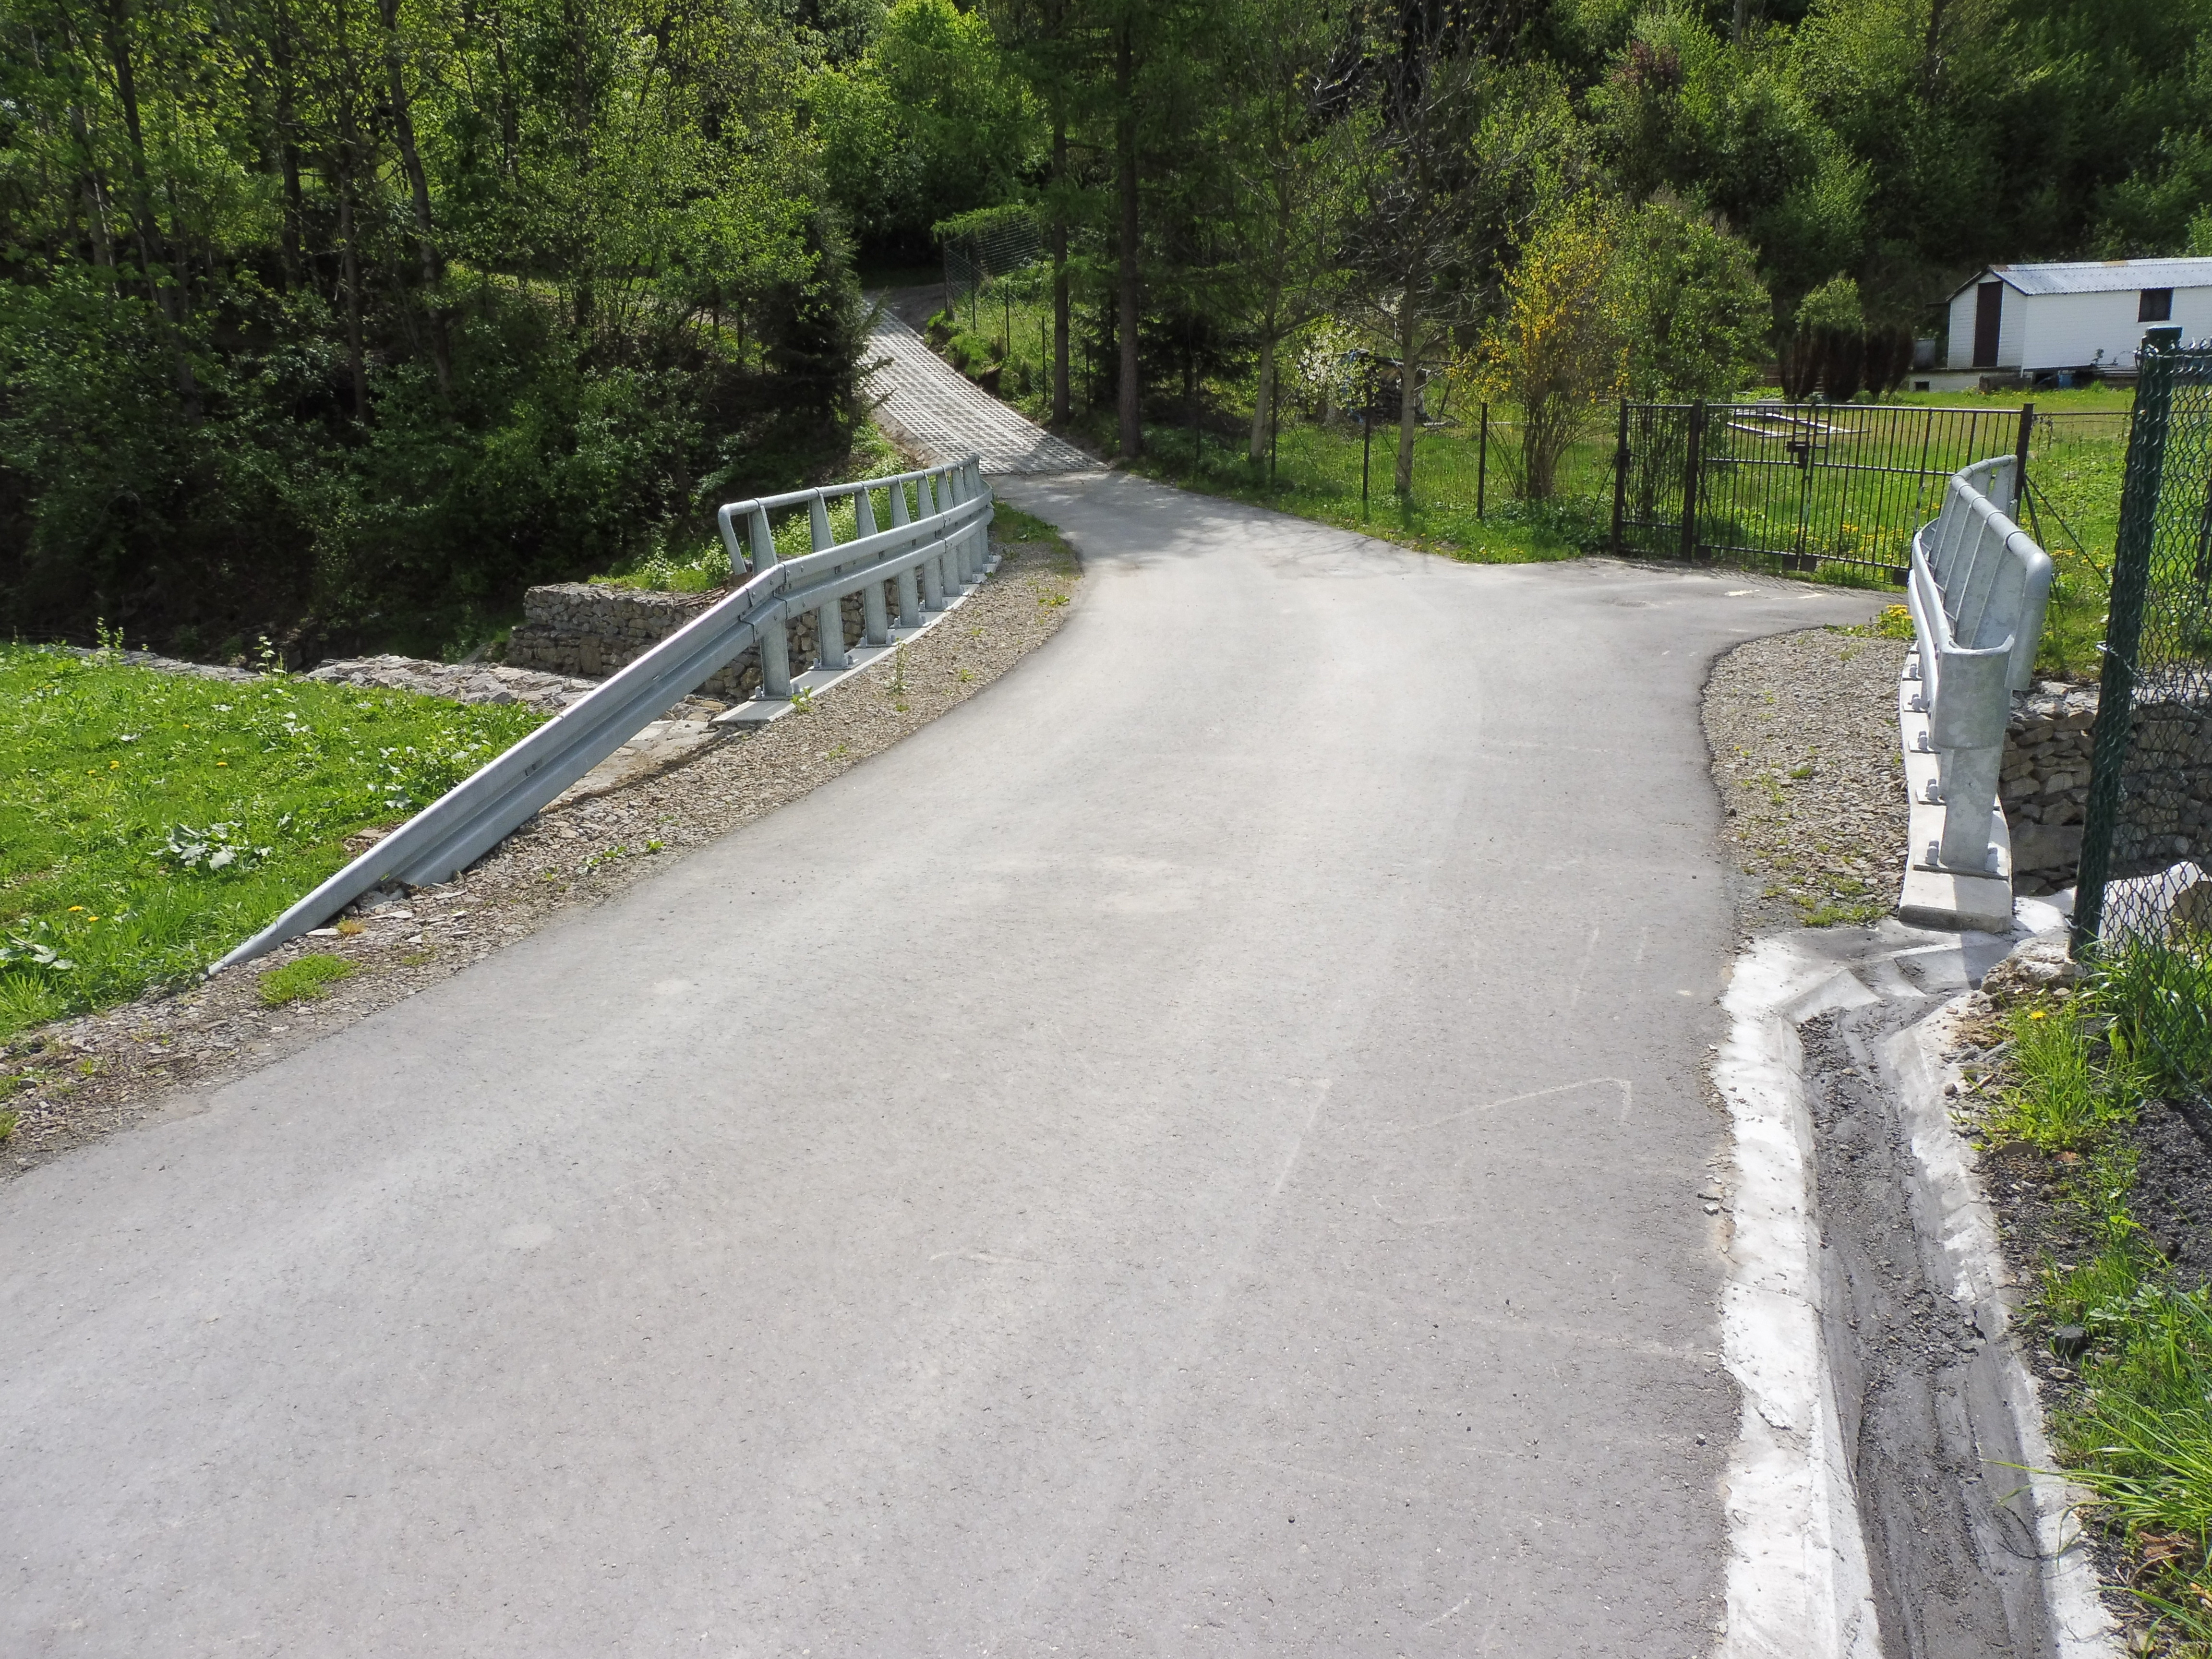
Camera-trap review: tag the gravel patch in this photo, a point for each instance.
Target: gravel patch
(1802, 729)
(159, 1056)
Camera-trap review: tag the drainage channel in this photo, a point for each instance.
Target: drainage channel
(1951, 1544)
(1890, 1495)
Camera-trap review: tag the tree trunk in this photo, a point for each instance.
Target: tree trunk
(1125, 157)
(1060, 405)
(148, 229)
(1409, 402)
(402, 123)
(1258, 451)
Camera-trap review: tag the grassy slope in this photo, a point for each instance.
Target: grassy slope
(151, 821)
(2138, 1432)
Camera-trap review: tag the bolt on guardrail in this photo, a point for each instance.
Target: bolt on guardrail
(931, 554)
(1977, 590)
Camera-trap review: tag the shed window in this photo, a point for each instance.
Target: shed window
(2155, 306)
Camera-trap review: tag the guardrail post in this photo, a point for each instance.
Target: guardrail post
(830, 620)
(933, 568)
(874, 616)
(1967, 728)
(775, 641)
(909, 592)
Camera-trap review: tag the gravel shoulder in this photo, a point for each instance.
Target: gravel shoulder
(162, 1054)
(1802, 729)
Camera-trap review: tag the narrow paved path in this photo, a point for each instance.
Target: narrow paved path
(1194, 1152)
(947, 416)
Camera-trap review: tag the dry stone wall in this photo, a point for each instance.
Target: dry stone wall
(590, 630)
(2045, 788)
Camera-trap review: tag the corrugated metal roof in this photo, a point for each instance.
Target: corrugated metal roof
(2099, 276)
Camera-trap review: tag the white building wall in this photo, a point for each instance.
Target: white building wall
(2192, 309)
(2012, 328)
(2068, 330)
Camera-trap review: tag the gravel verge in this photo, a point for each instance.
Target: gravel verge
(79, 1079)
(1802, 729)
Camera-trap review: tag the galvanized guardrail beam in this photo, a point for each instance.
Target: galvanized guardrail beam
(1978, 591)
(943, 540)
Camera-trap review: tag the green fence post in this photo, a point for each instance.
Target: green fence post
(2110, 740)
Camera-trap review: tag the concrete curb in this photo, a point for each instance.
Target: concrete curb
(1798, 1586)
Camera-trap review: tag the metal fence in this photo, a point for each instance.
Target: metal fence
(1834, 489)
(934, 551)
(2144, 895)
(974, 259)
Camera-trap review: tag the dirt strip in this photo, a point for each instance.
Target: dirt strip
(1803, 731)
(78, 1079)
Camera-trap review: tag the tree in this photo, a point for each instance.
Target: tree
(1694, 314)
(1291, 142)
(1561, 345)
(1468, 150)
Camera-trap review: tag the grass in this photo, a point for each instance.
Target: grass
(151, 821)
(2138, 1432)
(302, 978)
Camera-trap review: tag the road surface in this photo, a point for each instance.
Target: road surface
(1194, 1152)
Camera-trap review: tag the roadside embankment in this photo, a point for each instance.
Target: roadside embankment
(70, 1081)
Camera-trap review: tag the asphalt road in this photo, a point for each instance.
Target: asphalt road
(1195, 1152)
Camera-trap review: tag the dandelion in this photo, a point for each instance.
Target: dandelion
(222, 763)
(76, 906)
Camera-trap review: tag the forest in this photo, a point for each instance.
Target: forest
(337, 322)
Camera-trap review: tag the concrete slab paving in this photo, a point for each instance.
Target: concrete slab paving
(1194, 1152)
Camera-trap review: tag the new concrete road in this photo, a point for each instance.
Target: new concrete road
(1195, 1152)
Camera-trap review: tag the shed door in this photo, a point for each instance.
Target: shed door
(1989, 314)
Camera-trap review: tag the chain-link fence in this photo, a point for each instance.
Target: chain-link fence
(985, 247)
(2143, 905)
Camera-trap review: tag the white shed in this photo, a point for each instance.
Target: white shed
(2089, 315)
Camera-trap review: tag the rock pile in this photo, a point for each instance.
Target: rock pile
(2045, 788)
(2045, 783)
(591, 629)
(463, 681)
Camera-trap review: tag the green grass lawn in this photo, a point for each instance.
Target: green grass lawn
(151, 821)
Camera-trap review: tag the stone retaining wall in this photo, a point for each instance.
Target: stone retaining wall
(2045, 788)
(590, 630)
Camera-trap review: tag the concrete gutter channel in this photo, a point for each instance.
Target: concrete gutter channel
(1884, 1499)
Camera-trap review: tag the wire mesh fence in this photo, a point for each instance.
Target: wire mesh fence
(993, 247)
(2143, 902)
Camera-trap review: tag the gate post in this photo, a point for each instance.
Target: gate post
(2113, 736)
(1619, 472)
(2020, 462)
(1689, 481)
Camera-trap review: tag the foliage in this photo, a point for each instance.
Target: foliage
(1560, 346)
(2136, 1433)
(931, 120)
(345, 321)
(1691, 303)
(152, 821)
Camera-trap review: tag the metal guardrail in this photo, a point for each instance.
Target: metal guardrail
(1977, 590)
(929, 553)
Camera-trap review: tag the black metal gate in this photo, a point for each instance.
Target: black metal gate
(1834, 490)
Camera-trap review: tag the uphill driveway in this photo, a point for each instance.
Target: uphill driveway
(1194, 1152)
